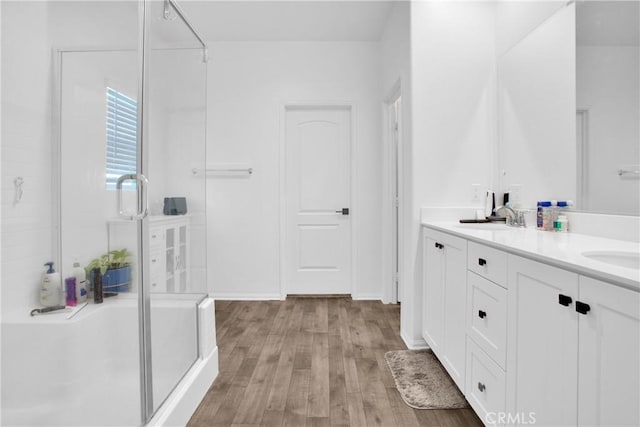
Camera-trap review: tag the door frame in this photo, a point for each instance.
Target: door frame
(582, 154)
(392, 176)
(353, 215)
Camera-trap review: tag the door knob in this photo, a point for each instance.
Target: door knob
(343, 211)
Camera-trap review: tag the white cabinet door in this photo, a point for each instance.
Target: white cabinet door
(542, 343)
(455, 299)
(609, 357)
(444, 300)
(433, 296)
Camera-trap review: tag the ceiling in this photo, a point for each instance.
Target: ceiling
(608, 23)
(301, 20)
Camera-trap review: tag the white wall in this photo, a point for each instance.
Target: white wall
(516, 18)
(537, 100)
(177, 139)
(453, 126)
(395, 69)
(29, 32)
(248, 84)
(1, 233)
(607, 85)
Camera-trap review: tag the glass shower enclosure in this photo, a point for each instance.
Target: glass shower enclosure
(129, 206)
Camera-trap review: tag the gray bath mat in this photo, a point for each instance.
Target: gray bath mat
(422, 381)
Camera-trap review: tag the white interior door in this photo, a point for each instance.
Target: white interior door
(317, 190)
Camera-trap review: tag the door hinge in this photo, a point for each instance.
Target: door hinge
(396, 277)
(397, 202)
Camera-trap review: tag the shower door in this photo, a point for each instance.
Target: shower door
(131, 133)
(174, 234)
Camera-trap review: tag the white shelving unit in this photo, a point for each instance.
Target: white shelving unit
(169, 252)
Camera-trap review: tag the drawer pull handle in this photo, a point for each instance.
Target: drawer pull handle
(564, 300)
(482, 314)
(482, 261)
(582, 308)
(481, 387)
(439, 245)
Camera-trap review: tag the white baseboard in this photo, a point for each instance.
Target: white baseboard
(366, 297)
(245, 297)
(184, 400)
(418, 344)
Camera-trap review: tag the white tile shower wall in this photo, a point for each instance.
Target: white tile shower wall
(249, 83)
(26, 152)
(453, 86)
(86, 203)
(29, 32)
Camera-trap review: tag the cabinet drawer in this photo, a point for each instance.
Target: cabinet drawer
(485, 389)
(488, 262)
(156, 238)
(156, 260)
(156, 272)
(487, 316)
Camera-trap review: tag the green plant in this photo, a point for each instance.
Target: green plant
(110, 260)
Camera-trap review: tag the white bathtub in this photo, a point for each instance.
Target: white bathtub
(85, 370)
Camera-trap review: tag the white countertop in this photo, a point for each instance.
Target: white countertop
(563, 250)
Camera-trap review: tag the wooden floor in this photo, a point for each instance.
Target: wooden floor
(313, 362)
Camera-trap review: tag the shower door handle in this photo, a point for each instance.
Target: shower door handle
(143, 196)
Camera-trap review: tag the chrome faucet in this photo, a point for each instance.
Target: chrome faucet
(513, 218)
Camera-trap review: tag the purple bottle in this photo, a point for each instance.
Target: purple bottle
(70, 287)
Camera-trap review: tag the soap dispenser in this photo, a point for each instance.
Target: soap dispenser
(50, 291)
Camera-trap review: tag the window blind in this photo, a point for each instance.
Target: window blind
(122, 129)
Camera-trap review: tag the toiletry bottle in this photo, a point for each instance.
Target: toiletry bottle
(561, 224)
(50, 287)
(97, 285)
(542, 214)
(81, 282)
(490, 204)
(70, 286)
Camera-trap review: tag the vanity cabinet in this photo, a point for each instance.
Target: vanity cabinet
(542, 344)
(444, 299)
(169, 253)
(574, 347)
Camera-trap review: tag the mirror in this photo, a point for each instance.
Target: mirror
(608, 106)
(569, 103)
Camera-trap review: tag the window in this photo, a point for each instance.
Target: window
(122, 130)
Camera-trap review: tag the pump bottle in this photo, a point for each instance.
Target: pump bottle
(50, 287)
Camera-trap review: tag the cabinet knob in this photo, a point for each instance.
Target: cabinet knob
(482, 314)
(564, 300)
(439, 245)
(482, 261)
(582, 307)
(481, 387)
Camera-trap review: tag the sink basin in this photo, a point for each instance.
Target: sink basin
(620, 259)
(491, 226)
